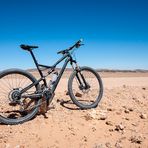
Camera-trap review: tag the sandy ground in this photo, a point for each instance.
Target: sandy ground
(120, 120)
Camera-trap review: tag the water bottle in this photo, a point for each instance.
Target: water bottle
(53, 79)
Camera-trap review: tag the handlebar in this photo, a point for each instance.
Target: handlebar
(77, 45)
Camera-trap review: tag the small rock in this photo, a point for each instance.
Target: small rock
(126, 118)
(103, 116)
(134, 124)
(136, 139)
(93, 114)
(144, 88)
(85, 138)
(118, 112)
(60, 100)
(78, 94)
(110, 109)
(118, 145)
(119, 127)
(111, 130)
(96, 115)
(67, 93)
(98, 146)
(130, 109)
(108, 145)
(94, 129)
(122, 138)
(143, 116)
(134, 98)
(109, 123)
(126, 111)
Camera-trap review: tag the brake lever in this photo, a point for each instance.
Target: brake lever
(78, 45)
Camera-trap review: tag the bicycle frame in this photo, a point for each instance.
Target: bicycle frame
(67, 57)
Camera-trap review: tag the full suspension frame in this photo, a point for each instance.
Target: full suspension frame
(68, 58)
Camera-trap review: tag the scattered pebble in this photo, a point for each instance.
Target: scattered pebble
(143, 116)
(143, 88)
(110, 109)
(118, 112)
(60, 100)
(111, 130)
(119, 127)
(103, 116)
(118, 145)
(67, 93)
(130, 109)
(94, 129)
(126, 118)
(126, 111)
(108, 145)
(85, 139)
(78, 95)
(136, 139)
(98, 146)
(109, 123)
(134, 124)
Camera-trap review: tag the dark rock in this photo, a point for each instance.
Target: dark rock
(111, 130)
(136, 139)
(110, 109)
(144, 88)
(109, 123)
(130, 109)
(78, 94)
(67, 93)
(143, 116)
(119, 127)
(126, 111)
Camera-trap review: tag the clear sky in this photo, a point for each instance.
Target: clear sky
(115, 32)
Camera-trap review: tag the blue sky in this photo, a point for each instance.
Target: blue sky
(115, 32)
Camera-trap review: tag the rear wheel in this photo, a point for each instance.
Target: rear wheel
(85, 88)
(14, 108)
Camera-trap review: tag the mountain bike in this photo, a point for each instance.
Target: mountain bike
(21, 94)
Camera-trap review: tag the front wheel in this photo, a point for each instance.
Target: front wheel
(85, 88)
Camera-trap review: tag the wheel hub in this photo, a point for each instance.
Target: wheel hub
(87, 87)
(14, 95)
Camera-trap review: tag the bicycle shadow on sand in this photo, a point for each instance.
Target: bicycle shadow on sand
(68, 104)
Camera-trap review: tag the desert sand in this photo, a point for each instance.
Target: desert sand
(120, 120)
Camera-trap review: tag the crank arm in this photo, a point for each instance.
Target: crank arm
(32, 96)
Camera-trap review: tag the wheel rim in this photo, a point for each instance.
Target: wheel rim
(9, 85)
(86, 96)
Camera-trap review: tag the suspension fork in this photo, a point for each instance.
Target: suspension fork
(78, 70)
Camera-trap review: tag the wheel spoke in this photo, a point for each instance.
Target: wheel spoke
(89, 95)
(10, 84)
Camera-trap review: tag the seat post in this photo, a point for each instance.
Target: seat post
(36, 63)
